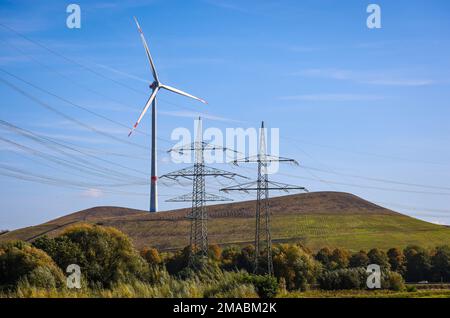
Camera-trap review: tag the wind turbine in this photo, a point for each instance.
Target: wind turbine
(155, 86)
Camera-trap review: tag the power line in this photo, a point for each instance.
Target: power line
(51, 143)
(76, 121)
(87, 68)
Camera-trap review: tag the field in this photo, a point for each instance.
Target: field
(315, 219)
(428, 293)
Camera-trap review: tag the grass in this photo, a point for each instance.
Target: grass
(314, 219)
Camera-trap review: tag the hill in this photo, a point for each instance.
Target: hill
(315, 219)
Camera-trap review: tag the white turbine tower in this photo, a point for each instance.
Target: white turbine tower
(155, 86)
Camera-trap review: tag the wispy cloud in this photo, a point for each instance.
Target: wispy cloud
(387, 78)
(92, 193)
(332, 97)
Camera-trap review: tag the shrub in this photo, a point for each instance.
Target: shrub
(359, 259)
(22, 263)
(392, 280)
(339, 258)
(441, 264)
(353, 278)
(178, 261)
(265, 285)
(324, 257)
(397, 260)
(215, 252)
(230, 285)
(105, 255)
(379, 257)
(229, 258)
(246, 258)
(418, 264)
(295, 266)
(151, 255)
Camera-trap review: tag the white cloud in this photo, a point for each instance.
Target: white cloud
(93, 193)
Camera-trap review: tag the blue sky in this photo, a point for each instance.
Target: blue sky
(364, 111)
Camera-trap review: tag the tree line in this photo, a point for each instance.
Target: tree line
(107, 258)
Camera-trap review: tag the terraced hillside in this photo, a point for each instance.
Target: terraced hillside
(315, 219)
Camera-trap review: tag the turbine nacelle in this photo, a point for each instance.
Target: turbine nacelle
(154, 85)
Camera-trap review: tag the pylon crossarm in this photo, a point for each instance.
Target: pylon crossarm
(207, 172)
(264, 159)
(194, 146)
(209, 197)
(271, 185)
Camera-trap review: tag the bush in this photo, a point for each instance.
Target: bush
(178, 261)
(229, 258)
(21, 263)
(418, 264)
(393, 281)
(295, 266)
(265, 285)
(359, 259)
(105, 255)
(151, 255)
(379, 257)
(353, 278)
(215, 252)
(324, 257)
(441, 264)
(337, 259)
(397, 260)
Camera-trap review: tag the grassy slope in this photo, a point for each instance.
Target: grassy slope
(315, 219)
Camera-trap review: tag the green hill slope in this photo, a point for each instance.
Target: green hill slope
(316, 219)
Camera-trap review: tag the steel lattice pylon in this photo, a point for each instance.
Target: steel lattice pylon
(262, 187)
(198, 240)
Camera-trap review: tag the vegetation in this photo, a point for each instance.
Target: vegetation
(336, 220)
(112, 267)
(22, 264)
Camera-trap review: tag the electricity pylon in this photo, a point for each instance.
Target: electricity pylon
(262, 186)
(198, 240)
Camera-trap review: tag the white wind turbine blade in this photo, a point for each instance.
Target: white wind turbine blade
(147, 105)
(172, 89)
(155, 75)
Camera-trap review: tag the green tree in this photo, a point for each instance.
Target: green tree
(397, 260)
(339, 258)
(246, 258)
(105, 254)
(266, 286)
(418, 263)
(379, 257)
(295, 266)
(178, 261)
(324, 257)
(229, 257)
(359, 259)
(22, 263)
(441, 263)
